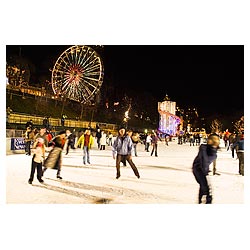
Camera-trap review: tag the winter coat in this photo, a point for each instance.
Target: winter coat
(206, 155)
(122, 145)
(103, 140)
(239, 145)
(155, 139)
(81, 141)
(39, 154)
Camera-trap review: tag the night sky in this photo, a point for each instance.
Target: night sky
(210, 78)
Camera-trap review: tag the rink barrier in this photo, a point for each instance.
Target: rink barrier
(15, 145)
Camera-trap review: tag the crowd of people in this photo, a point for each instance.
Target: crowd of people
(47, 150)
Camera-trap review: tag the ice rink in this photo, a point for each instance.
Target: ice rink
(166, 179)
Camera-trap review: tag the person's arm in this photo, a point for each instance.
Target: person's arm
(114, 147)
(204, 160)
(130, 145)
(79, 142)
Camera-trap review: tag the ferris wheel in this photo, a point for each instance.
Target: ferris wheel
(78, 74)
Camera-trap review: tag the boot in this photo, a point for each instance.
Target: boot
(209, 199)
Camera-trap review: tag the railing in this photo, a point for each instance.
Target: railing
(15, 118)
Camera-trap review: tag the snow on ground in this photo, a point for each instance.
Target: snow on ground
(166, 179)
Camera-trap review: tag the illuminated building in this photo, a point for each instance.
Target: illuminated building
(168, 122)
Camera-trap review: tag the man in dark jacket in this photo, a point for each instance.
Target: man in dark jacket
(206, 155)
(239, 146)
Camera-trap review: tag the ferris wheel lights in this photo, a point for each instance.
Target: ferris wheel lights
(77, 74)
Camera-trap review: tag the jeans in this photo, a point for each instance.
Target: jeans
(86, 154)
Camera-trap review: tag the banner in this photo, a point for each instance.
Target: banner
(17, 144)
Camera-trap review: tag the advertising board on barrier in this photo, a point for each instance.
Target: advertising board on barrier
(17, 144)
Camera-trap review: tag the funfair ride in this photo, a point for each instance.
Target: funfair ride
(78, 74)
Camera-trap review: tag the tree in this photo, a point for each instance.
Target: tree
(216, 126)
(239, 125)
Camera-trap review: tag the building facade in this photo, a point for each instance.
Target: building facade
(169, 123)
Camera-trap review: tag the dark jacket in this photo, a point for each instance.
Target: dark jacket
(206, 155)
(239, 145)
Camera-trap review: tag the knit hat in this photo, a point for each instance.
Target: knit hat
(121, 127)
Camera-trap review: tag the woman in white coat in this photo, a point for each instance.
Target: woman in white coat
(103, 140)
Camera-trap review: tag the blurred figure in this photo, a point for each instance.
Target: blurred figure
(206, 155)
(70, 141)
(226, 139)
(135, 139)
(37, 160)
(239, 146)
(98, 137)
(29, 124)
(122, 147)
(232, 140)
(103, 140)
(86, 141)
(63, 120)
(191, 139)
(28, 138)
(42, 134)
(147, 142)
(154, 141)
(167, 138)
(110, 139)
(54, 159)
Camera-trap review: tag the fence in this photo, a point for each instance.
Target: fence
(15, 118)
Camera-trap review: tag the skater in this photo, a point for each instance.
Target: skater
(122, 147)
(147, 142)
(154, 143)
(28, 138)
(42, 134)
(110, 139)
(167, 139)
(86, 141)
(98, 137)
(206, 155)
(54, 159)
(239, 145)
(70, 141)
(37, 160)
(103, 140)
(135, 139)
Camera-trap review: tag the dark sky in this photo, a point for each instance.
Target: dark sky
(210, 78)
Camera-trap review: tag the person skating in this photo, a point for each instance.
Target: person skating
(28, 138)
(54, 159)
(154, 143)
(206, 155)
(38, 151)
(122, 147)
(86, 141)
(239, 145)
(70, 141)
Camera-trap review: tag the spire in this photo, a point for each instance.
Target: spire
(166, 98)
